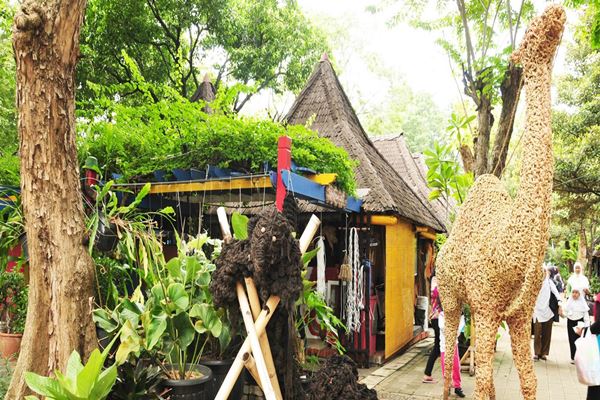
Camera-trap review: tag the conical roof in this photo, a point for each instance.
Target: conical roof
(413, 169)
(324, 101)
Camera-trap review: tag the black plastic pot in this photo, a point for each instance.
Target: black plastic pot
(106, 237)
(220, 368)
(191, 389)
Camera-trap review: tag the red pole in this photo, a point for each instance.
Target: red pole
(284, 161)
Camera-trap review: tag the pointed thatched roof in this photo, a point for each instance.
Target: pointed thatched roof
(334, 118)
(413, 169)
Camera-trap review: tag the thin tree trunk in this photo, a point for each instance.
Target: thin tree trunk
(485, 120)
(467, 158)
(511, 92)
(46, 44)
(582, 251)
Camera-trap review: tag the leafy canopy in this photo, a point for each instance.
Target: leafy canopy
(266, 44)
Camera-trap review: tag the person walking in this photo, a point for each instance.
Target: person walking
(543, 318)
(576, 311)
(593, 392)
(558, 280)
(436, 309)
(456, 381)
(578, 279)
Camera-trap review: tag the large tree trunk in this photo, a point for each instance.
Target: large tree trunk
(46, 44)
(582, 251)
(511, 92)
(485, 120)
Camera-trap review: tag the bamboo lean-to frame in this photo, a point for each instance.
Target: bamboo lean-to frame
(256, 326)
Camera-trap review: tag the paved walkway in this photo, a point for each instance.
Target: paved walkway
(400, 379)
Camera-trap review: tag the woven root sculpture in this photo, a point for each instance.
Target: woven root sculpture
(493, 257)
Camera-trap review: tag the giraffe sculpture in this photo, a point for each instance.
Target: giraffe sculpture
(493, 257)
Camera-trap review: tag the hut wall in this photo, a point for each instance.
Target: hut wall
(401, 247)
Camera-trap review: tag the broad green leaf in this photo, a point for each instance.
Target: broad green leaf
(239, 224)
(178, 296)
(155, 329)
(434, 194)
(225, 337)
(309, 255)
(184, 330)
(45, 386)
(174, 267)
(104, 383)
(88, 375)
(130, 343)
(104, 320)
(74, 366)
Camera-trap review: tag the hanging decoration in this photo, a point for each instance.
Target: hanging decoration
(354, 288)
(321, 284)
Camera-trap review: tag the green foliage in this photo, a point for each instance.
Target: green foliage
(264, 43)
(12, 227)
(414, 114)
(239, 223)
(312, 307)
(13, 300)
(6, 372)
(90, 381)
(445, 174)
(592, 9)
(9, 143)
(136, 140)
(174, 319)
(137, 382)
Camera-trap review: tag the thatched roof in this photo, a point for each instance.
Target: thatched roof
(413, 169)
(334, 118)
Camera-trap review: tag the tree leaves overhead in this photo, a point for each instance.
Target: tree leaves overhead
(267, 44)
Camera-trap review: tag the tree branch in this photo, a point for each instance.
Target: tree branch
(469, 44)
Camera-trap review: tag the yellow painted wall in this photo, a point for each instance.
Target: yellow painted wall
(400, 253)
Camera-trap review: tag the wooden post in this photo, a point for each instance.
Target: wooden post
(284, 161)
(264, 339)
(222, 216)
(250, 365)
(309, 233)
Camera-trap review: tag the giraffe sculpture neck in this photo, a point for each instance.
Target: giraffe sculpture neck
(533, 200)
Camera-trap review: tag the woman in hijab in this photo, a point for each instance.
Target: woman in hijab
(576, 311)
(543, 317)
(579, 280)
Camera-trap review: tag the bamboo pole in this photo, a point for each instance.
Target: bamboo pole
(264, 339)
(238, 364)
(261, 365)
(225, 230)
(264, 317)
(250, 365)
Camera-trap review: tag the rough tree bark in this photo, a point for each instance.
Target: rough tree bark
(482, 160)
(510, 90)
(46, 44)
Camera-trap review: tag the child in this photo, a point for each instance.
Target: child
(576, 311)
(456, 362)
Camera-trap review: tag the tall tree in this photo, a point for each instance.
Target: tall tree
(46, 44)
(576, 124)
(266, 44)
(479, 36)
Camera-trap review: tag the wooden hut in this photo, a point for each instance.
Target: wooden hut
(393, 215)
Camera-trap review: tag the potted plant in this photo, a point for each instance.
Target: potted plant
(173, 320)
(13, 311)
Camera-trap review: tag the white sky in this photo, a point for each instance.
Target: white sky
(360, 37)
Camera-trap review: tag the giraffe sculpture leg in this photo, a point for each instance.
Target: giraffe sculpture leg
(520, 337)
(486, 328)
(452, 320)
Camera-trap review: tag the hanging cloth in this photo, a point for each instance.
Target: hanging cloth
(321, 283)
(354, 297)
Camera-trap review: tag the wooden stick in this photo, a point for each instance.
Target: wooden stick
(264, 339)
(250, 365)
(309, 233)
(222, 215)
(268, 390)
(238, 364)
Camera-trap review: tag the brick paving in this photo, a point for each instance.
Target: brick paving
(400, 379)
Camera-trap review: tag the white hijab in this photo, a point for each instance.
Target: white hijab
(579, 305)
